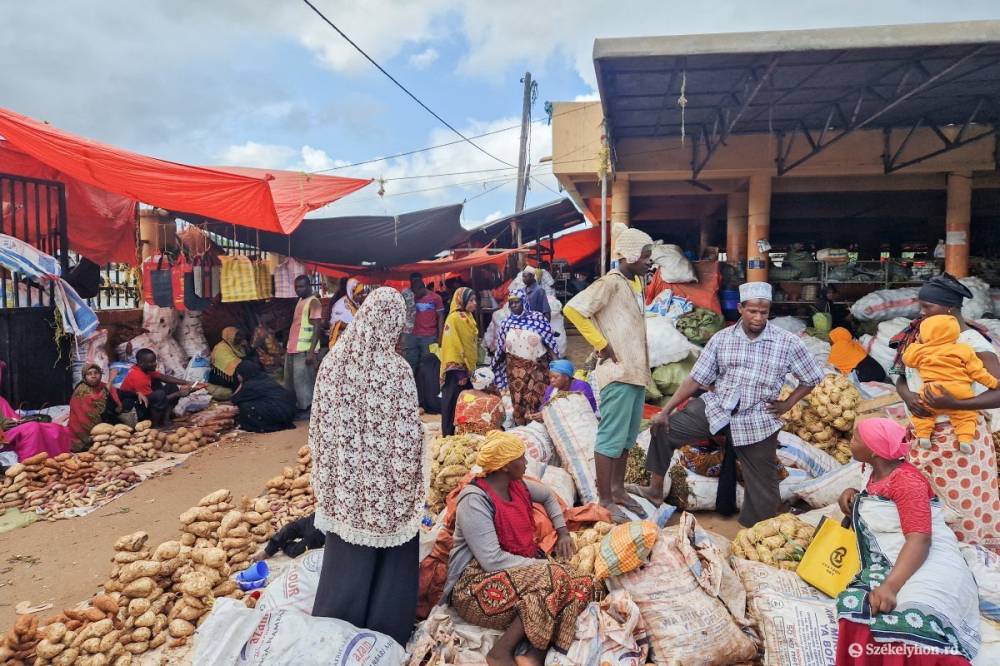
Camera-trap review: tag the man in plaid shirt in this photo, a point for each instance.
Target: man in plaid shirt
(742, 370)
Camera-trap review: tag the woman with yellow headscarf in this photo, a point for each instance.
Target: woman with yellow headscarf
(459, 353)
(226, 355)
(497, 575)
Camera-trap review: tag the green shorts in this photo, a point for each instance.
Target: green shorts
(621, 414)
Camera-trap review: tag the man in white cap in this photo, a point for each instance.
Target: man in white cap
(538, 300)
(610, 314)
(742, 369)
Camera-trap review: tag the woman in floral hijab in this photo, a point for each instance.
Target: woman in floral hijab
(369, 473)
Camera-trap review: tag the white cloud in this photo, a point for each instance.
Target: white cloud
(261, 155)
(592, 96)
(424, 59)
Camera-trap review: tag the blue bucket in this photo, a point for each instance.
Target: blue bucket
(253, 577)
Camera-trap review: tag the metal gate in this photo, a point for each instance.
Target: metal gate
(37, 371)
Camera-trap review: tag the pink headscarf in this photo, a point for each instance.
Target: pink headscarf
(884, 437)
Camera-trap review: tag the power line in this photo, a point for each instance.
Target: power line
(401, 86)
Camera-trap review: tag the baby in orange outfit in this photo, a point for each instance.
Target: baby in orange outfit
(944, 363)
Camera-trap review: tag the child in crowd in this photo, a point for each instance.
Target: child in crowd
(945, 364)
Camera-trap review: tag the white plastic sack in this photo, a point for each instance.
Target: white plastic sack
(172, 358)
(995, 298)
(790, 324)
(93, 350)
(160, 322)
(572, 425)
(664, 342)
(537, 441)
(981, 301)
(879, 348)
(826, 489)
(295, 588)
(985, 567)
(989, 649)
(793, 451)
(818, 349)
(609, 632)
(195, 402)
(191, 334)
(797, 622)
(702, 491)
(198, 369)
(234, 634)
(788, 488)
(887, 304)
(445, 638)
(673, 265)
(556, 478)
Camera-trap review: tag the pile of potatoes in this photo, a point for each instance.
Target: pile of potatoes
(780, 541)
(588, 542)
(451, 459)
(18, 645)
(200, 524)
(185, 440)
(106, 484)
(88, 636)
(243, 530)
(203, 579)
(290, 494)
(121, 445)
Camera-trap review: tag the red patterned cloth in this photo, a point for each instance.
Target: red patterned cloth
(857, 647)
(513, 520)
(966, 483)
(911, 493)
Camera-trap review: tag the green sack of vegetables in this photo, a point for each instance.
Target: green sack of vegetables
(653, 394)
(700, 325)
(668, 377)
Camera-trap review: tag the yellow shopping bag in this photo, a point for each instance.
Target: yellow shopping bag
(239, 279)
(831, 560)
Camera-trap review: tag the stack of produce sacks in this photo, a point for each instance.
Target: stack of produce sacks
(290, 495)
(537, 442)
(451, 459)
(191, 335)
(887, 304)
(673, 265)
(667, 379)
(827, 418)
(121, 445)
(664, 343)
(699, 325)
(780, 541)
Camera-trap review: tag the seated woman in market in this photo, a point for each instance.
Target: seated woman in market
(93, 402)
(561, 380)
(497, 575)
(227, 354)
(915, 589)
(847, 355)
(265, 405)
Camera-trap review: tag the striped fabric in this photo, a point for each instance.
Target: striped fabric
(284, 278)
(265, 287)
(239, 279)
(625, 548)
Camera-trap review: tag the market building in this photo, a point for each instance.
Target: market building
(880, 140)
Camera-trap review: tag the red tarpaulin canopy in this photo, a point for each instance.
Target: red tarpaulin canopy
(578, 246)
(88, 209)
(429, 269)
(257, 198)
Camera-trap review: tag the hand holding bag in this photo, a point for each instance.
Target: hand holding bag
(832, 559)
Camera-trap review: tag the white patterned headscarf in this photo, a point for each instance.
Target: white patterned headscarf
(369, 465)
(629, 244)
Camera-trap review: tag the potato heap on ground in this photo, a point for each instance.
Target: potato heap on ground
(107, 483)
(88, 636)
(825, 418)
(202, 579)
(780, 541)
(19, 644)
(588, 542)
(185, 440)
(121, 445)
(243, 530)
(452, 458)
(200, 524)
(215, 420)
(290, 494)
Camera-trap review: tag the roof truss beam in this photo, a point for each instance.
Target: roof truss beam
(891, 157)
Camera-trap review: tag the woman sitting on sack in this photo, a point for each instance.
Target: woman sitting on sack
(227, 355)
(265, 405)
(497, 575)
(914, 591)
(93, 402)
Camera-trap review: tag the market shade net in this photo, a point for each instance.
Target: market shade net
(258, 198)
(428, 269)
(382, 241)
(536, 223)
(811, 88)
(88, 209)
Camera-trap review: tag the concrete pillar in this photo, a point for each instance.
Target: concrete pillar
(958, 221)
(156, 231)
(758, 226)
(706, 237)
(736, 227)
(620, 200)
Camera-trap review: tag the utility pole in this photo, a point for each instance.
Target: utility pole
(523, 167)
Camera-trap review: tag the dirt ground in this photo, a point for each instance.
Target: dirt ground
(66, 561)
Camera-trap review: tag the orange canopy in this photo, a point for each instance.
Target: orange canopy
(428, 269)
(257, 198)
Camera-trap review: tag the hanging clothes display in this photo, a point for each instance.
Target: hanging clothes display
(284, 277)
(238, 279)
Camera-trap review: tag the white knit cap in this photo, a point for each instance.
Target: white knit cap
(750, 291)
(629, 244)
(482, 378)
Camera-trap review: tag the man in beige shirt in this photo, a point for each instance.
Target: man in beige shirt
(610, 314)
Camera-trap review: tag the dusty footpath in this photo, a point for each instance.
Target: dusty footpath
(65, 562)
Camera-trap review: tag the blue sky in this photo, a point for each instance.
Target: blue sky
(266, 83)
